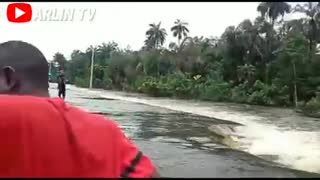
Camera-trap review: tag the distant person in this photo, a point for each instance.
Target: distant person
(61, 86)
(46, 137)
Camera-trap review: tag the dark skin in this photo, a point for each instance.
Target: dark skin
(13, 81)
(23, 70)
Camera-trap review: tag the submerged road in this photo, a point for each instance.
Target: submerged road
(179, 143)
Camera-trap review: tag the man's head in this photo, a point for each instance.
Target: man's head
(23, 69)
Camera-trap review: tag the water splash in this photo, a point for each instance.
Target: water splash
(294, 148)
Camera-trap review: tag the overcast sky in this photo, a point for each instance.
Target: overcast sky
(124, 23)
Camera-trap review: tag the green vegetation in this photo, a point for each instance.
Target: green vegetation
(268, 61)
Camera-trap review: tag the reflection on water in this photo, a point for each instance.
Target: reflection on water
(182, 144)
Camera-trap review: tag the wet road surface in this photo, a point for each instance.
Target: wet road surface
(180, 144)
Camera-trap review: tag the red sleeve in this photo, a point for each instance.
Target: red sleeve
(134, 164)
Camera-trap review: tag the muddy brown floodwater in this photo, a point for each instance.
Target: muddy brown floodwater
(181, 144)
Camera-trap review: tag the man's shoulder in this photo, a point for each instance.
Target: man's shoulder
(92, 120)
(19, 102)
(41, 113)
(93, 129)
(17, 105)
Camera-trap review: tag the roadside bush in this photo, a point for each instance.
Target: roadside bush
(98, 83)
(137, 84)
(176, 85)
(215, 91)
(313, 106)
(81, 82)
(153, 87)
(107, 82)
(240, 93)
(179, 85)
(261, 94)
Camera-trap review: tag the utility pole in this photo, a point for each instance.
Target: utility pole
(92, 62)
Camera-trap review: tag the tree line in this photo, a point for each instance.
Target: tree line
(268, 61)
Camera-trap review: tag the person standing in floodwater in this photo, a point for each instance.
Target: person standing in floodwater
(61, 86)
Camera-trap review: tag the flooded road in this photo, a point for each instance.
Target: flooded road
(181, 144)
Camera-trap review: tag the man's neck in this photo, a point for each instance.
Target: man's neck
(37, 93)
(29, 89)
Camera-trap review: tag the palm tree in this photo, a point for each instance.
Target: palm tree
(180, 29)
(156, 36)
(312, 11)
(272, 10)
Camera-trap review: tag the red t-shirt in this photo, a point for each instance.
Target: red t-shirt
(45, 137)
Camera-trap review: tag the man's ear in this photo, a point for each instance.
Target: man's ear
(9, 77)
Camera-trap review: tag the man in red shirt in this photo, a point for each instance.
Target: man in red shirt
(45, 137)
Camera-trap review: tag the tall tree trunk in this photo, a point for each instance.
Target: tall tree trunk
(268, 56)
(266, 59)
(310, 49)
(295, 94)
(311, 40)
(312, 37)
